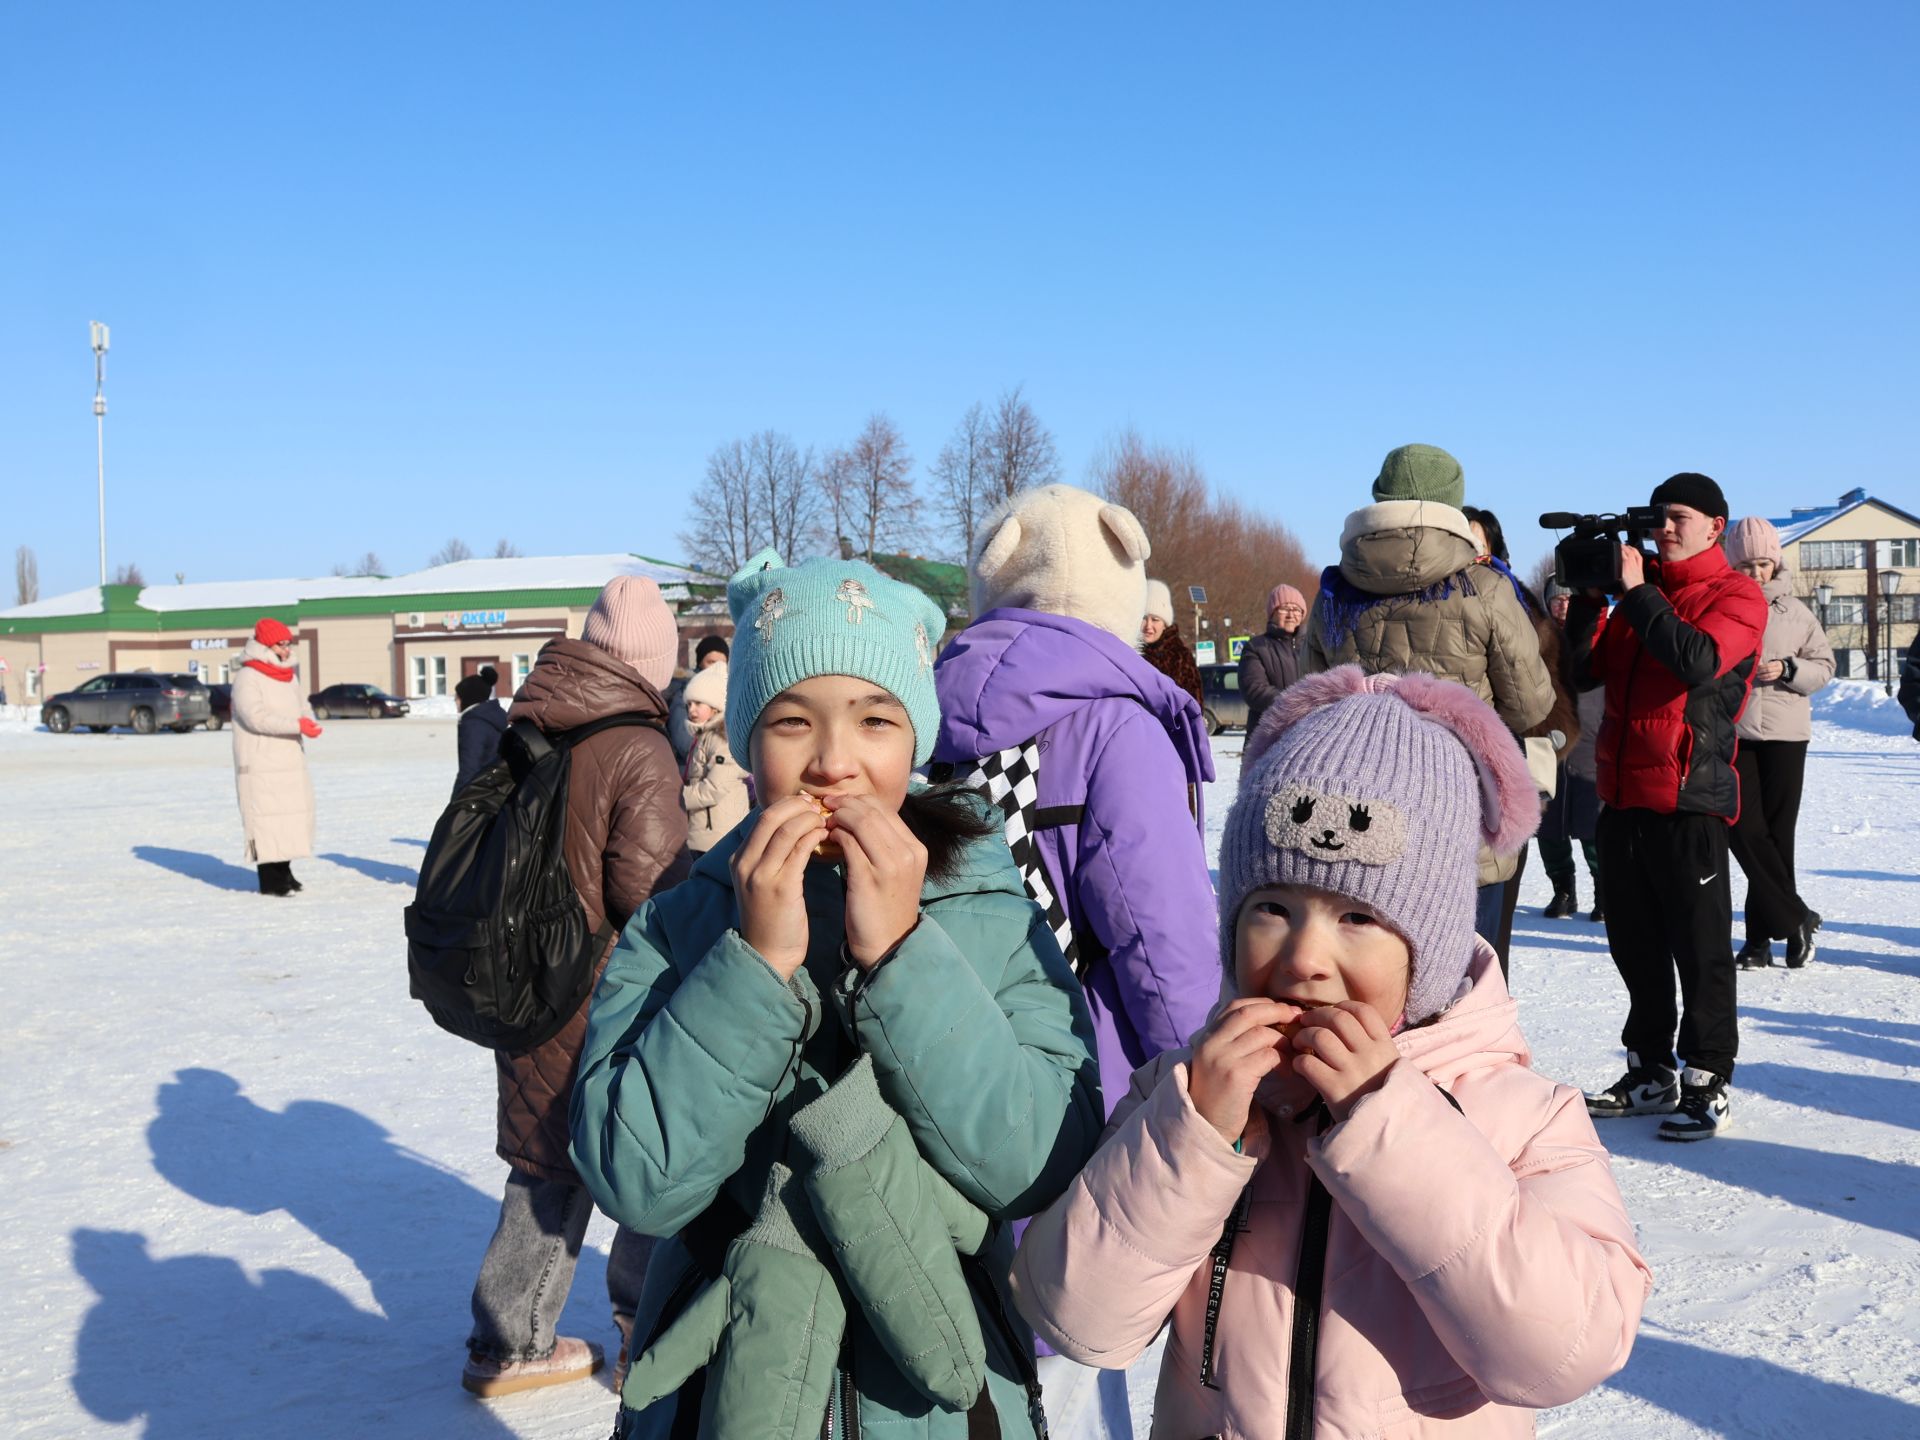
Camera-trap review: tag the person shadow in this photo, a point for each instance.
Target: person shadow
(1745, 1395)
(207, 869)
(376, 869)
(202, 1347)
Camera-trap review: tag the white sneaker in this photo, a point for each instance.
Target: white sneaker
(1705, 1109)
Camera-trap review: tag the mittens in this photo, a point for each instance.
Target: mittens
(309, 727)
(894, 1225)
(770, 1327)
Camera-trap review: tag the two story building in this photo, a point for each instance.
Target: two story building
(1867, 553)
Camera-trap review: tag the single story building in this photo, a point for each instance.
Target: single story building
(412, 635)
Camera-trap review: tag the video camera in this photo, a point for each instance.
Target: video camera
(1589, 558)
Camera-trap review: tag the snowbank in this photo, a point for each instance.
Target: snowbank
(1861, 705)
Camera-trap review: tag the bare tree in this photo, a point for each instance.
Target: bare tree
(785, 496)
(1541, 573)
(960, 478)
(129, 574)
(873, 488)
(722, 529)
(1019, 449)
(367, 564)
(1200, 538)
(504, 549)
(26, 576)
(451, 553)
(835, 479)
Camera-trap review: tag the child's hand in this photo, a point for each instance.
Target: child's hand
(767, 874)
(1344, 1051)
(1232, 1056)
(886, 870)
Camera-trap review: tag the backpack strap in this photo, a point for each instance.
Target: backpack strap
(573, 737)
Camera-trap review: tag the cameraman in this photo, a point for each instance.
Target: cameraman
(1676, 656)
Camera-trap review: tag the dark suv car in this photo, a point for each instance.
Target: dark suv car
(1224, 706)
(143, 700)
(350, 702)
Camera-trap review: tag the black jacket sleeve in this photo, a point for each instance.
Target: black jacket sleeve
(1257, 682)
(1580, 658)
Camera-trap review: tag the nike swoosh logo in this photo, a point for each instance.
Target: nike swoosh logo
(1711, 878)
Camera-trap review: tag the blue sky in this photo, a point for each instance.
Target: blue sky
(381, 274)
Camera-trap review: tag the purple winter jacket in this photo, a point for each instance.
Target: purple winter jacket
(1126, 743)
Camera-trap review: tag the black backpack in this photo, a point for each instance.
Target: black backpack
(500, 948)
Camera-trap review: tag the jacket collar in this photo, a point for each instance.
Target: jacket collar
(1677, 575)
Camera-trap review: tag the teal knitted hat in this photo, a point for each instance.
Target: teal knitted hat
(828, 617)
(1421, 472)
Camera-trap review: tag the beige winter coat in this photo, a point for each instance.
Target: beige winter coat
(1437, 610)
(1780, 711)
(270, 762)
(715, 789)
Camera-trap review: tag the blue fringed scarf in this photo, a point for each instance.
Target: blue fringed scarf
(1343, 603)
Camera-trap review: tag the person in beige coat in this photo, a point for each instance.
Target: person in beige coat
(716, 792)
(1795, 661)
(1410, 593)
(271, 723)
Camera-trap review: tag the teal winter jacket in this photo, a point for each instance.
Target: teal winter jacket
(698, 1057)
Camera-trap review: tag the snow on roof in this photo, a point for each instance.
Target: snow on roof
(1804, 522)
(74, 602)
(533, 572)
(247, 594)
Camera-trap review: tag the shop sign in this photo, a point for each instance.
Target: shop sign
(213, 644)
(1203, 653)
(474, 619)
(84, 665)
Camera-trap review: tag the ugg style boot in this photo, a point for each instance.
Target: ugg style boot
(571, 1360)
(276, 878)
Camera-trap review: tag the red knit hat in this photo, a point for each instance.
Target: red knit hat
(269, 631)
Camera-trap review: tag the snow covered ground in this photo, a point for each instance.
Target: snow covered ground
(246, 1182)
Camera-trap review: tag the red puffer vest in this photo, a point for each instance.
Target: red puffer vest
(1676, 657)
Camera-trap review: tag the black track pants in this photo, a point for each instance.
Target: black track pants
(1670, 912)
(1771, 774)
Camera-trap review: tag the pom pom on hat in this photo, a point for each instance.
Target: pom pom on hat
(631, 622)
(1062, 550)
(1381, 788)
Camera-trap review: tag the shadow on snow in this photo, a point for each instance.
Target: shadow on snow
(376, 869)
(1744, 1395)
(1892, 1042)
(200, 1347)
(208, 869)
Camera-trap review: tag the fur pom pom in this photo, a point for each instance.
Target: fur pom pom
(1509, 803)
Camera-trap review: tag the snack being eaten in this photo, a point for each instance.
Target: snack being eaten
(828, 849)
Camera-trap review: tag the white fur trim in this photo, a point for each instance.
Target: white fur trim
(1404, 515)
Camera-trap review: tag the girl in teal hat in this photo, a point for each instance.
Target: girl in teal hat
(851, 982)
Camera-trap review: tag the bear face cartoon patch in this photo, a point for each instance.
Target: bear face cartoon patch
(1328, 826)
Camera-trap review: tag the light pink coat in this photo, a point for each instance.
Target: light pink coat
(1479, 1264)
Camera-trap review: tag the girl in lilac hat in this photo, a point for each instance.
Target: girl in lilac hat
(1359, 1208)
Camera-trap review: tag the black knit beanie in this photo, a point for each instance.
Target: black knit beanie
(709, 646)
(1696, 492)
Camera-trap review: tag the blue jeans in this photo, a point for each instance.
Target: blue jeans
(529, 1267)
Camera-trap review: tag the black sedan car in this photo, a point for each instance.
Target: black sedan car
(222, 697)
(1225, 707)
(356, 702)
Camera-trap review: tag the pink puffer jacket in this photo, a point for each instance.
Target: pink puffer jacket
(1478, 1261)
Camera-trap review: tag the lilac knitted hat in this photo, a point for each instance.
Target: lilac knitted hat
(631, 622)
(1380, 787)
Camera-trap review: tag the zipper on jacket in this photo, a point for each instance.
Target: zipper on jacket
(1308, 1282)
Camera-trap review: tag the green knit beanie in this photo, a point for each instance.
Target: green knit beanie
(1421, 472)
(828, 617)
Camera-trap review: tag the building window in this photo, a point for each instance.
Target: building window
(439, 674)
(1843, 610)
(521, 665)
(33, 683)
(1833, 554)
(1904, 609)
(418, 686)
(1899, 553)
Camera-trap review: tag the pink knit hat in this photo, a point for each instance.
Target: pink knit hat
(632, 623)
(1281, 594)
(1751, 538)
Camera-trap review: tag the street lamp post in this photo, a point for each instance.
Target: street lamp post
(100, 431)
(1889, 587)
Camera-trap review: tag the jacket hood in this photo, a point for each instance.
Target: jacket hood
(1778, 590)
(1398, 547)
(573, 683)
(1012, 673)
(1479, 1029)
(985, 866)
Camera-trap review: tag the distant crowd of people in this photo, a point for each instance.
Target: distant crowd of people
(935, 1080)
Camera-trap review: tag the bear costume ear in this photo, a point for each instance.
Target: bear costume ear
(997, 550)
(1124, 534)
